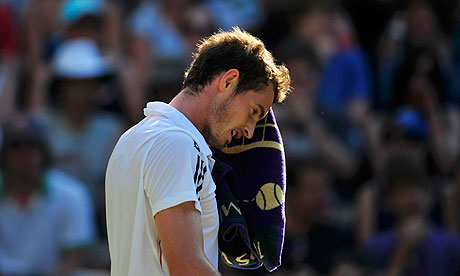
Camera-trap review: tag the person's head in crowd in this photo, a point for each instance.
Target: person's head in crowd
(79, 72)
(304, 68)
(24, 154)
(327, 26)
(314, 25)
(421, 22)
(312, 189)
(303, 64)
(419, 81)
(82, 18)
(405, 130)
(407, 185)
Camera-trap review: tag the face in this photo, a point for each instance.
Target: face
(24, 159)
(409, 201)
(313, 191)
(236, 115)
(80, 93)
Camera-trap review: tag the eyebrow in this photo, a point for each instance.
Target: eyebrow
(262, 112)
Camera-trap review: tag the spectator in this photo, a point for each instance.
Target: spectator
(155, 38)
(415, 28)
(80, 136)
(419, 83)
(406, 132)
(46, 216)
(413, 246)
(297, 114)
(313, 234)
(49, 22)
(342, 97)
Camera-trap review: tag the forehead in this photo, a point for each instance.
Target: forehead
(264, 97)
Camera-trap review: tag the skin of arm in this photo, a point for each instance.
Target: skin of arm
(450, 207)
(411, 233)
(366, 214)
(181, 235)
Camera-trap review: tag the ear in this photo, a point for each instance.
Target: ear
(229, 80)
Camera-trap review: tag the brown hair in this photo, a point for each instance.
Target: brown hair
(237, 49)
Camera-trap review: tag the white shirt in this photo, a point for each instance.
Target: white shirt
(60, 217)
(159, 163)
(82, 153)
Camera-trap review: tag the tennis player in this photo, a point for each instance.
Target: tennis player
(162, 216)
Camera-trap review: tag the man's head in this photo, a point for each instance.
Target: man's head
(238, 50)
(243, 79)
(79, 70)
(23, 149)
(407, 185)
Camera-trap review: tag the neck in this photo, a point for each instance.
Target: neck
(193, 106)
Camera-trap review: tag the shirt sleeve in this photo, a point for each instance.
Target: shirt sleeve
(172, 168)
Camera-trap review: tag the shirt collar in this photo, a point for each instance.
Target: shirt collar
(160, 108)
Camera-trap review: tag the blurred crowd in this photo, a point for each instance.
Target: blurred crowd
(371, 130)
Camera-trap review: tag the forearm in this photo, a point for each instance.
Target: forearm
(440, 134)
(181, 235)
(398, 260)
(339, 155)
(196, 265)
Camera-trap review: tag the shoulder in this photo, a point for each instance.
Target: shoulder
(175, 142)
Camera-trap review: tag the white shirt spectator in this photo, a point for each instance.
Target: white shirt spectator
(59, 217)
(82, 153)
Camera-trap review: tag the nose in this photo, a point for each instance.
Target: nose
(249, 131)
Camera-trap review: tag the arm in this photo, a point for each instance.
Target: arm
(336, 152)
(366, 214)
(411, 233)
(450, 208)
(181, 236)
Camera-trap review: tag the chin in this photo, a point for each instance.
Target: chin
(218, 146)
(215, 143)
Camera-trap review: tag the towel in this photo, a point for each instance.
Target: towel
(250, 177)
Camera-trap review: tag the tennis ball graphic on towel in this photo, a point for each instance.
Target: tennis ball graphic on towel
(269, 196)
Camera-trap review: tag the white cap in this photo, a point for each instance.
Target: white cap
(80, 59)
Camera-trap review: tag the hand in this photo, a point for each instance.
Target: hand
(424, 94)
(413, 231)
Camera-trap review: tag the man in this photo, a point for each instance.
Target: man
(46, 216)
(162, 215)
(413, 246)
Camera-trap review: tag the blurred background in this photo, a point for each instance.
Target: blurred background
(371, 130)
